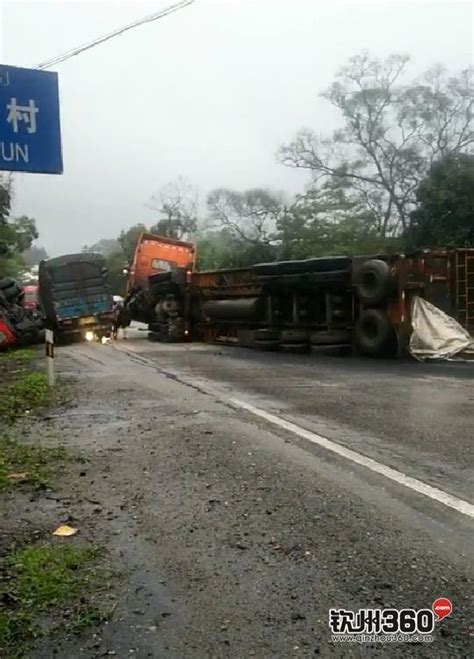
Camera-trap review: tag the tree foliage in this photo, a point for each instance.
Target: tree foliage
(16, 234)
(241, 228)
(5, 198)
(116, 264)
(257, 225)
(394, 173)
(327, 221)
(445, 213)
(176, 204)
(104, 246)
(249, 217)
(390, 136)
(128, 240)
(115, 257)
(220, 249)
(33, 255)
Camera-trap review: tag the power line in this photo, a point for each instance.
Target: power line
(106, 37)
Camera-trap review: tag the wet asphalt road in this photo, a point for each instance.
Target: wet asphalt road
(412, 416)
(256, 530)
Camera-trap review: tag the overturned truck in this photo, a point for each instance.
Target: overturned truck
(361, 303)
(21, 323)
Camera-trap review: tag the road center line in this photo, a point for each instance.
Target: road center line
(434, 493)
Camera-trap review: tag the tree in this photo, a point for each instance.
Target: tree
(5, 197)
(326, 221)
(445, 214)
(19, 234)
(104, 246)
(391, 134)
(250, 217)
(16, 235)
(115, 256)
(219, 249)
(128, 240)
(176, 204)
(216, 250)
(116, 264)
(34, 255)
(5, 203)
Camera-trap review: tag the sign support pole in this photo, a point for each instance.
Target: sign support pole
(49, 338)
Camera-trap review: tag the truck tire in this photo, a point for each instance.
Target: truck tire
(13, 292)
(9, 288)
(298, 348)
(294, 336)
(155, 327)
(163, 337)
(30, 337)
(373, 282)
(328, 337)
(265, 334)
(268, 346)
(374, 333)
(6, 282)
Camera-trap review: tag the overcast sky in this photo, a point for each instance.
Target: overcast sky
(208, 93)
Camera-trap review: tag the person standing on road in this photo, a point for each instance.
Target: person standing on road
(118, 322)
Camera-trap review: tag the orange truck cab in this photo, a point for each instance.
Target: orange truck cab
(155, 254)
(157, 284)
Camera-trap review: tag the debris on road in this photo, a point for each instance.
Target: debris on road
(19, 476)
(435, 334)
(65, 531)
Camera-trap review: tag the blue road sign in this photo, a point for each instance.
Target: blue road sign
(30, 135)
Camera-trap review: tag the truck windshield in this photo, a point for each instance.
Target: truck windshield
(161, 264)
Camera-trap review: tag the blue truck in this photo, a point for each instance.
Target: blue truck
(76, 297)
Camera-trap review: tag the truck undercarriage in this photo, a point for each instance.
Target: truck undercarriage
(357, 303)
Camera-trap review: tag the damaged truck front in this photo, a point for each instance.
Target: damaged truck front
(157, 286)
(20, 324)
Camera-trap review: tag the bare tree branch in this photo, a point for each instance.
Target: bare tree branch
(251, 215)
(176, 204)
(391, 134)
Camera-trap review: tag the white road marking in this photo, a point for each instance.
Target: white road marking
(434, 493)
(461, 506)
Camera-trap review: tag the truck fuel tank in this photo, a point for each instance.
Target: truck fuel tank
(250, 308)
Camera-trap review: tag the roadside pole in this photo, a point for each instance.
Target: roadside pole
(49, 338)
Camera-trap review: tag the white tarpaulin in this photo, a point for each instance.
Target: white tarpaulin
(435, 334)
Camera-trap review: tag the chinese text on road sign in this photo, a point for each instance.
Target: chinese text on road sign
(30, 136)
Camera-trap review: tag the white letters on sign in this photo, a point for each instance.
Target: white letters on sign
(12, 151)
(22, 113)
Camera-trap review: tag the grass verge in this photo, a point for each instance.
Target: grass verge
(19, 355)
(26, 393)
(56, 587)
(54, 580)
(24, 464)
